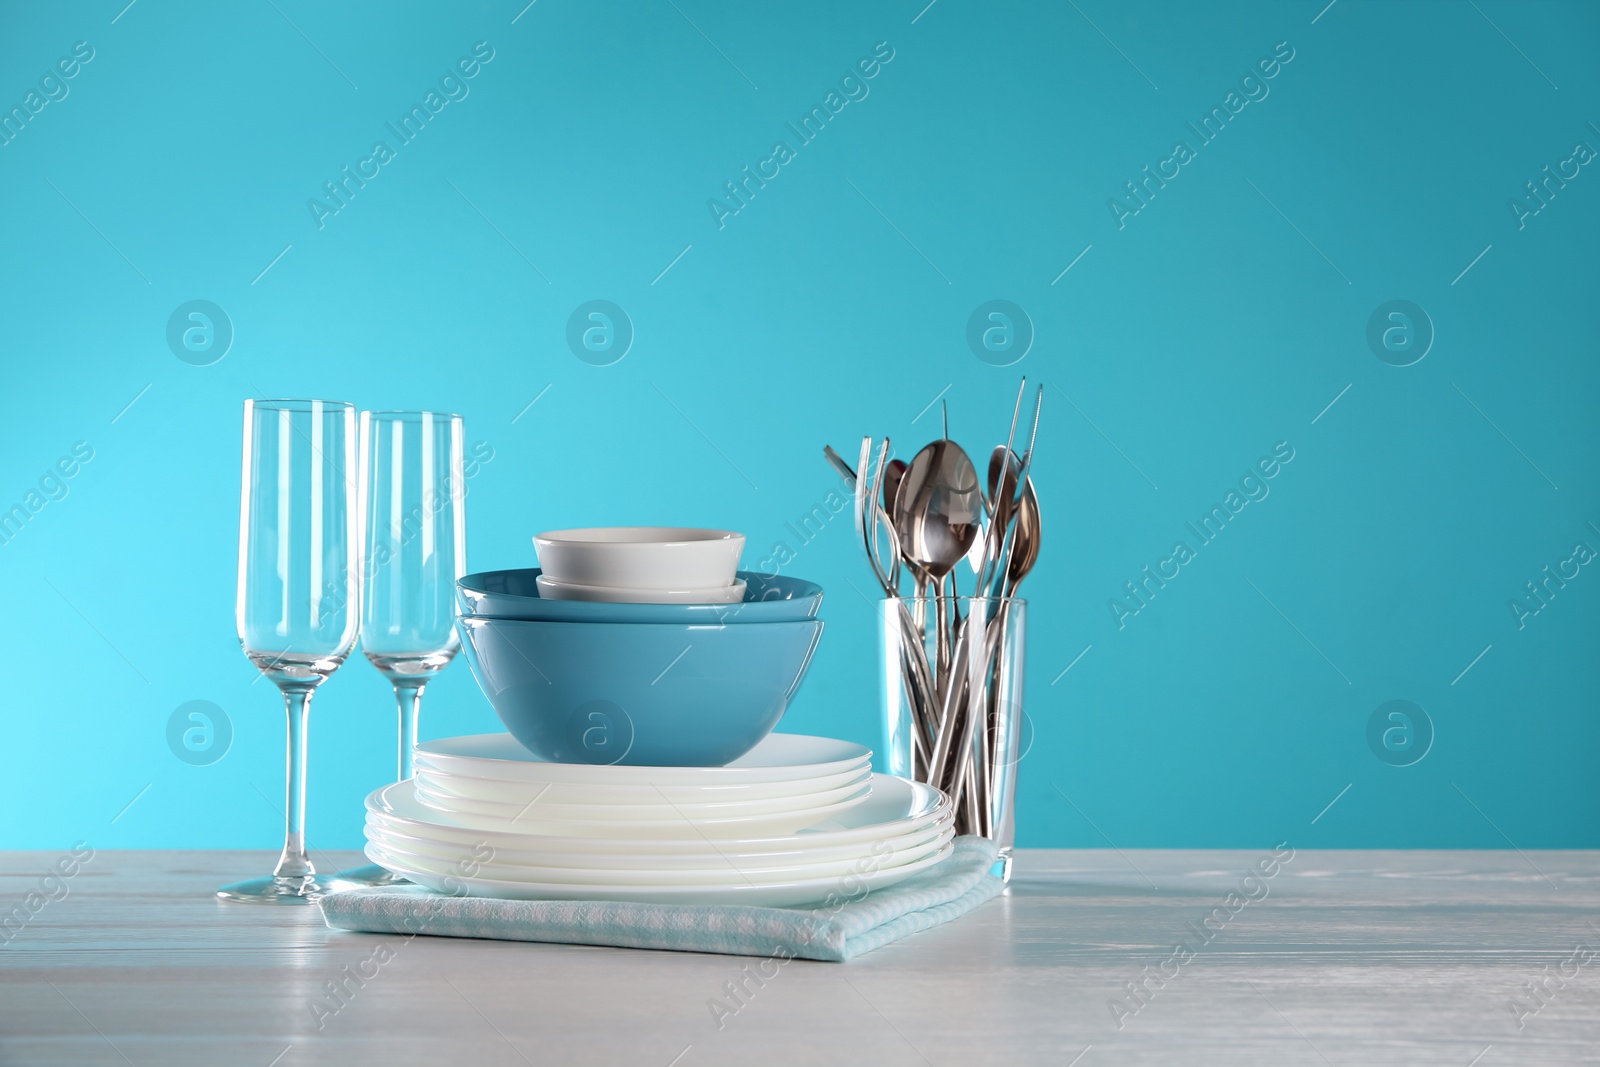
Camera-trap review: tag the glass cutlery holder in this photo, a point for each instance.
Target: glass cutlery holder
(951, 688)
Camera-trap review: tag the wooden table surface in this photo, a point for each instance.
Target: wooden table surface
(1451, 958)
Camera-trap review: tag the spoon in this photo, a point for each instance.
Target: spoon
(893, 479)
(938, 510)
(1022, 549)
(1002, 485)
(915, 657)
(1002, 494)
(893, 474)
(1030, 529)
(1000, 564)
(1024, 554)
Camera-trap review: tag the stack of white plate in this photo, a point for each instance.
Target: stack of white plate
(794, 821)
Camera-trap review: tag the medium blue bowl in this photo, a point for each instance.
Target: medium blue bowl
(513, 595)
(638, 694)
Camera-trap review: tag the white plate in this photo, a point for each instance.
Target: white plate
(439, 792)
(443, 861)
(533, 819)
(555, 589)
(778, 758)
(707, 859)
(896, 807)
(805, 891)
(460, 785)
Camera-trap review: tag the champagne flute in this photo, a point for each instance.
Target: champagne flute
(298, 603)
(416, 549)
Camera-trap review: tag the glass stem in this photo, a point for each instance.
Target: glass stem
(409, 697)
(294, 863)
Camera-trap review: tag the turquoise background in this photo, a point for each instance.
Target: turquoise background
(1222, 319)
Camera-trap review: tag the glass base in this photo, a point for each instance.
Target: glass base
(1001, 868)
(372, 874)
(275, 890)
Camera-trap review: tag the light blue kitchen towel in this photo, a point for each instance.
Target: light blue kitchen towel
(843, 926)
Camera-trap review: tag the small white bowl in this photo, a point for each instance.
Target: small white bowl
(641, 557)
(552, 589)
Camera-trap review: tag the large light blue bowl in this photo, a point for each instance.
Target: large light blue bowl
(638, 694)
(513, 594)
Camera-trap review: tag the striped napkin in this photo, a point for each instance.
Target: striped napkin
(836, 930)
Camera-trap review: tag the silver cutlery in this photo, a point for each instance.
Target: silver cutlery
(956, 672)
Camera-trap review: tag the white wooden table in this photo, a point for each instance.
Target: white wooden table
(1349, 958)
